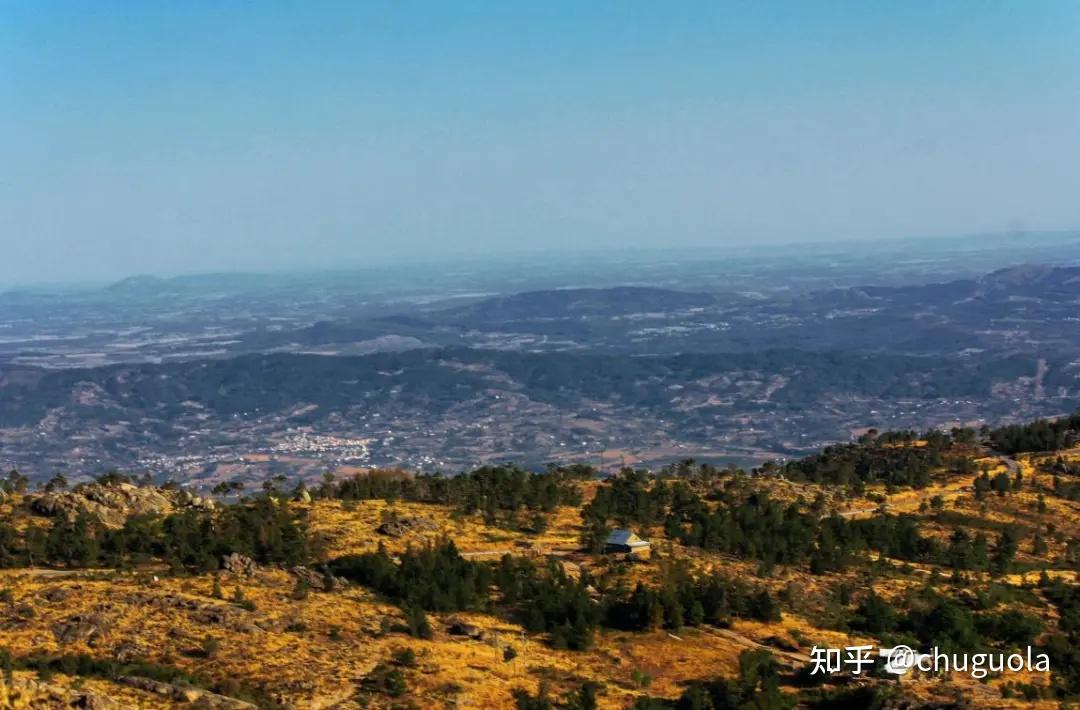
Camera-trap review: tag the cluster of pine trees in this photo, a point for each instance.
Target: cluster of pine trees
(433, 577)
(877, 460)
(263, 529)
(750, 525)
(489, 490)
(1063, 647)
(1039, 435)
(545, 599)
(684, 599)
(930, 619)
(755, 526)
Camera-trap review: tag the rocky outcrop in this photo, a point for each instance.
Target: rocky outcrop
(239, 565)
(186, 694)
(81, 628)
(29, 693)
(113, 503)
(129, 651)
(186, 499)
(314, 579)
(397, 527)
(457, 627)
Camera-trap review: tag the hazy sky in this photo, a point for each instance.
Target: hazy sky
(168, 137)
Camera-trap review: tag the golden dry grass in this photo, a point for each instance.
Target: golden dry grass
(312, 653)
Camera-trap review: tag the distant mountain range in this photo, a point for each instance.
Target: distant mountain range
(534, 376)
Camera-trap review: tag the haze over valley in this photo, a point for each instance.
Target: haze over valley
(606, 359)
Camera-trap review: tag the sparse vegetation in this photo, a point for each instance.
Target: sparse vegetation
(741, 562)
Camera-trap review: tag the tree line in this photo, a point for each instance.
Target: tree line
(488, 490)
(544, 598)
(753, 525)
(266, 530)
(1037, 436)
(889, 458)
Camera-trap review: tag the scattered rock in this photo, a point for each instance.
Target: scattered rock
(185, 498)
(9, 624)
(216, 613)
(397, 527)
(129, 651)
(210, 616)
(177, 633)
(27, 693)
(55, 594)
(16, 617)
(88, 629)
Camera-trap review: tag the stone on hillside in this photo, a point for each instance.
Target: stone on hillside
(239, 565)
(314, 579)
(130, 651)
(457, 627)
(397, 527)
(27, 693)
(185, 498)
(54, 595)
(88, 629)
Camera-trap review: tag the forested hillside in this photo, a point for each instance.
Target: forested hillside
(499, 587)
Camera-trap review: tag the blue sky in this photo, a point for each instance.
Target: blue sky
(173, 137)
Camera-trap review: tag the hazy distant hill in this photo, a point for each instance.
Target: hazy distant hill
(1042, 282)
(535, 374)
(576, 303)
(1012, 310)
(1026, 281)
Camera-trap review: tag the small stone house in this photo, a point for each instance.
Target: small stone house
(625, 541)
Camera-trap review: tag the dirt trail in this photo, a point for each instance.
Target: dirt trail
(1010, 463)
(795, 659)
